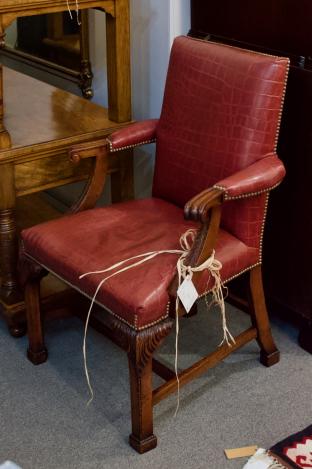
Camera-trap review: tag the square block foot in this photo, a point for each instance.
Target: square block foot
(142, 446)
(37, 357)
(269, 359)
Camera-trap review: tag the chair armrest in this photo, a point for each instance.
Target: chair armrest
(206, 206)
(261, 176)
(139, 133)
(198, 208)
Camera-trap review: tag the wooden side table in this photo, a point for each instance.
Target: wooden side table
(39, 123)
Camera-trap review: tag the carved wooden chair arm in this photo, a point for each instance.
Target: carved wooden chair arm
(198, 208)
(95, 185)
(139, 133)
(136, 134)
(261, 176)
(206, 206)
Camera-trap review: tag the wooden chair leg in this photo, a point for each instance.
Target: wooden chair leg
(269, 354)
(142, 438)
(140, 346)
(36, 353)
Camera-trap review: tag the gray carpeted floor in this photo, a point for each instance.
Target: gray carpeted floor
(45, 423)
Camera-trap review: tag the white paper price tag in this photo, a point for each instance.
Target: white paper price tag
(187, 294)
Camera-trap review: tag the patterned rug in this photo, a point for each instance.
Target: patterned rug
(296, 450)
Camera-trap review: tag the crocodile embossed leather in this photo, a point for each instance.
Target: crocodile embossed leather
(215, 165)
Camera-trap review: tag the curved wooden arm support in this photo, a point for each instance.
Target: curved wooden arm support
(94, 187)
(205, 208)
(198, 208)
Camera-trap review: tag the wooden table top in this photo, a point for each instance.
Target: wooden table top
(40, 117)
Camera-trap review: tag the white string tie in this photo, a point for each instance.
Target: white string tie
(211, 264)
(69, 10)
(77, 11)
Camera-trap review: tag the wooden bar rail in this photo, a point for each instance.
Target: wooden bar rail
(199, 367)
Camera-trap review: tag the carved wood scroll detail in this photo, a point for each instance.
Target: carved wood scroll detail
(140, 345)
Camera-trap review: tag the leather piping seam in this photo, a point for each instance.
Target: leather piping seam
(281, 107)
(244, 196)
(153, 323)
(127, 147)
(236, 47)
(263, 225)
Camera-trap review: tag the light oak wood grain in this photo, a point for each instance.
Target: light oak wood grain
(40, 117)
(11, 9)
(39, 123)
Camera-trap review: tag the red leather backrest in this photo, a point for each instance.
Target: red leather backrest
(221, 112)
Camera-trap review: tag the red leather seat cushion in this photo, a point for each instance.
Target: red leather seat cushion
(98, 238)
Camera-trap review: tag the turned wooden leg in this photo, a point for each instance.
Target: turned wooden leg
(36, 353)
(86, 75)
(8, 236)
(8, 252)
(10, 294)
(269, 354)
(142, 438)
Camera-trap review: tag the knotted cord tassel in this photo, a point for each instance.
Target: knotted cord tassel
(218, 298)
(211, 264)
(145, 257)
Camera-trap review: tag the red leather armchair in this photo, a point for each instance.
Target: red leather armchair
(215, 166)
